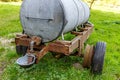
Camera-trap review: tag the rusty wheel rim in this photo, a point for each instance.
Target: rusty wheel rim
(88, 56)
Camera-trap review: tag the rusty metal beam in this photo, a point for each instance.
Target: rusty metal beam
(42, 53)
(58, 46)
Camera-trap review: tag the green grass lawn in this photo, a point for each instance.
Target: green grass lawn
(107, 28)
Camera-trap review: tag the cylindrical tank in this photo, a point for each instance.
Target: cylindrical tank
(48, 19)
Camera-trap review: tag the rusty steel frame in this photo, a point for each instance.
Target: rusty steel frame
(58, 46)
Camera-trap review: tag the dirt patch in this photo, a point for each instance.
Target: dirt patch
(2, 67)
(117, 76)
(107, 8)
(12, 3)
(77, 66)
(4, 45)
(5, 41)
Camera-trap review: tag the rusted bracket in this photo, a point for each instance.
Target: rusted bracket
(42, 53)
(25, 40)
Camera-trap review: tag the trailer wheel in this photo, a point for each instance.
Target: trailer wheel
(21, 50)
(88, 56)
(98, 58)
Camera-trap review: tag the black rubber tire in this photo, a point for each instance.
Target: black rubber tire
(98, 58)
(21, 50)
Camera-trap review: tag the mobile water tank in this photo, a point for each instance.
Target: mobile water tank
(48, 19)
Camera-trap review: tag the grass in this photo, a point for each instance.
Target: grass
(107, 26)
(9, 19)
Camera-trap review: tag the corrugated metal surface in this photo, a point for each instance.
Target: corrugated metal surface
(50, 18)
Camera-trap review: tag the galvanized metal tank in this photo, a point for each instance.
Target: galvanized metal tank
(48, 19)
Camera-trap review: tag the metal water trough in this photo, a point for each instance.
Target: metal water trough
(44, 23)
